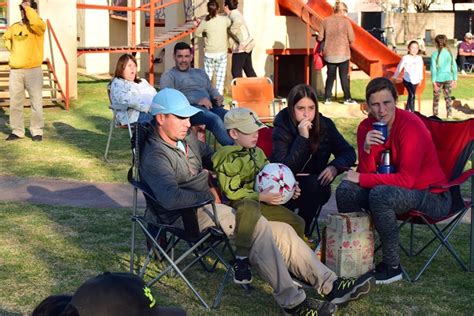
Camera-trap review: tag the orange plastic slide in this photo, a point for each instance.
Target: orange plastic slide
(369, 54)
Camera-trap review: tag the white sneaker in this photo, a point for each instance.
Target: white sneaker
(350, 102)
(463, 72)
(328, 101)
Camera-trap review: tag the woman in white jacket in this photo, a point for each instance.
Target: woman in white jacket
(214, 30)
(130, 96)
(242, 43)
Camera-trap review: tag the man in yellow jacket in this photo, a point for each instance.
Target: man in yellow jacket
(25, 40)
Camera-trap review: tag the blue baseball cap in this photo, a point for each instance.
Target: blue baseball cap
(172, 101)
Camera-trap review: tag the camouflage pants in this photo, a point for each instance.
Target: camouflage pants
(445, 86)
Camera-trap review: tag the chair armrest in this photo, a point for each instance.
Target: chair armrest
(455, 182)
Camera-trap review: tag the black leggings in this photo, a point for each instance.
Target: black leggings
(343, 77)
(313, 195)
(411, 88)
(383, 202)
(242, 61)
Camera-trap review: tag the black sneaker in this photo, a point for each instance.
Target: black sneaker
(312, 307)
(348, 289)
(37, 138)
(385, 274)
(242, 274)
(12, 137)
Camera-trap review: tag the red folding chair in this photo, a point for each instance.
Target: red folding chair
(454, 142)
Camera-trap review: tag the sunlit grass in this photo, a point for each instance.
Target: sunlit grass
(52, 250)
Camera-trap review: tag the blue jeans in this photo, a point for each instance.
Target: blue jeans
(144, 117)
(214, 121)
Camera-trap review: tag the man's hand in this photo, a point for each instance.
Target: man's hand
(453, 84)
(219, 100)
(270, 198)
(303, 127)
(327, 175)
(297, 192)
(25, 4)
(352, 176)
(206, 103)
(373, 137)
(435, 86)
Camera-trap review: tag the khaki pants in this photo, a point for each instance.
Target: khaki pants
(276, 250)
(247, 214)
(31, 80)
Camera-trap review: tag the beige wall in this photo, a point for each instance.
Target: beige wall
(65, 27)
(418, 23)
(271, 31)
(93, 31)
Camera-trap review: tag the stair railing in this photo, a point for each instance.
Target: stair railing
(52, 66)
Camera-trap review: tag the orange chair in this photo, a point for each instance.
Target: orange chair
(257, 95)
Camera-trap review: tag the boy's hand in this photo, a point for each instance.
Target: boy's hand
(270, 198)
(297, 192)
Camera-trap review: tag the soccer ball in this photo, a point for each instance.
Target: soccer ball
(280, 177)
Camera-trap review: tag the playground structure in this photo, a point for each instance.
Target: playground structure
(70, 33)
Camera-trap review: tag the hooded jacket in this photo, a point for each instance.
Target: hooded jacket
(294, 151)
(236, 169)
(177, 179)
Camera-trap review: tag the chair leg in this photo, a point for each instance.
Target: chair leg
(111, 128)
(315, 224)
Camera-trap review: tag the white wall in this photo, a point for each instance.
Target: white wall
(95, 25)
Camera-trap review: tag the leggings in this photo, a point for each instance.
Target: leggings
(384, 202)
(411, 88)
(313, 196)
(446, 88)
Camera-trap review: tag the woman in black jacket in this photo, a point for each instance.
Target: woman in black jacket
(303, 139)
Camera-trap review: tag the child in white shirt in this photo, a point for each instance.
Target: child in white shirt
(412, 63)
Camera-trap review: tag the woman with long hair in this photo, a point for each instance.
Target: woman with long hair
(242, 43)
(214, 30)
(130, 95)
(444, 73)
(304, 140)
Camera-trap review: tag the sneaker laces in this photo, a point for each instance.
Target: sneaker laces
(346, 283)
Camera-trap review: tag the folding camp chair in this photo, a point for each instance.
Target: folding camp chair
(114, 123)
(178, 249)
(257, 95)
(454, 141)
(265, 143)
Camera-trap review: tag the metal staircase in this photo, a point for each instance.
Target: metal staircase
(51, 91)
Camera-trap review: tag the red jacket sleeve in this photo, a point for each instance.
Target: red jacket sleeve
(409, 145)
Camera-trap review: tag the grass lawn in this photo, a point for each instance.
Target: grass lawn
(51, 250)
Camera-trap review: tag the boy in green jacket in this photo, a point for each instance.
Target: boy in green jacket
(236, 167)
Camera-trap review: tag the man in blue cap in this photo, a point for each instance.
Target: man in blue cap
(173, 165)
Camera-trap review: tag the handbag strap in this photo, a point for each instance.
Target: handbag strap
(348, 222)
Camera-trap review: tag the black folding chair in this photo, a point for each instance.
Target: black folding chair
(177, 248)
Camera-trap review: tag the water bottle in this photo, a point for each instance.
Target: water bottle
(385, 166)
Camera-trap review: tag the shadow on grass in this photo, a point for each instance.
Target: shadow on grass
(9, 313)
(87, 141)
(80, 196)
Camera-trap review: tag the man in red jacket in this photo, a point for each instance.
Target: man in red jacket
(417, 167)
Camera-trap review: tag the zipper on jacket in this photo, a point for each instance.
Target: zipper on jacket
(304, 166)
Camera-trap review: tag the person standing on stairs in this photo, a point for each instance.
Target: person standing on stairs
(25, 40)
